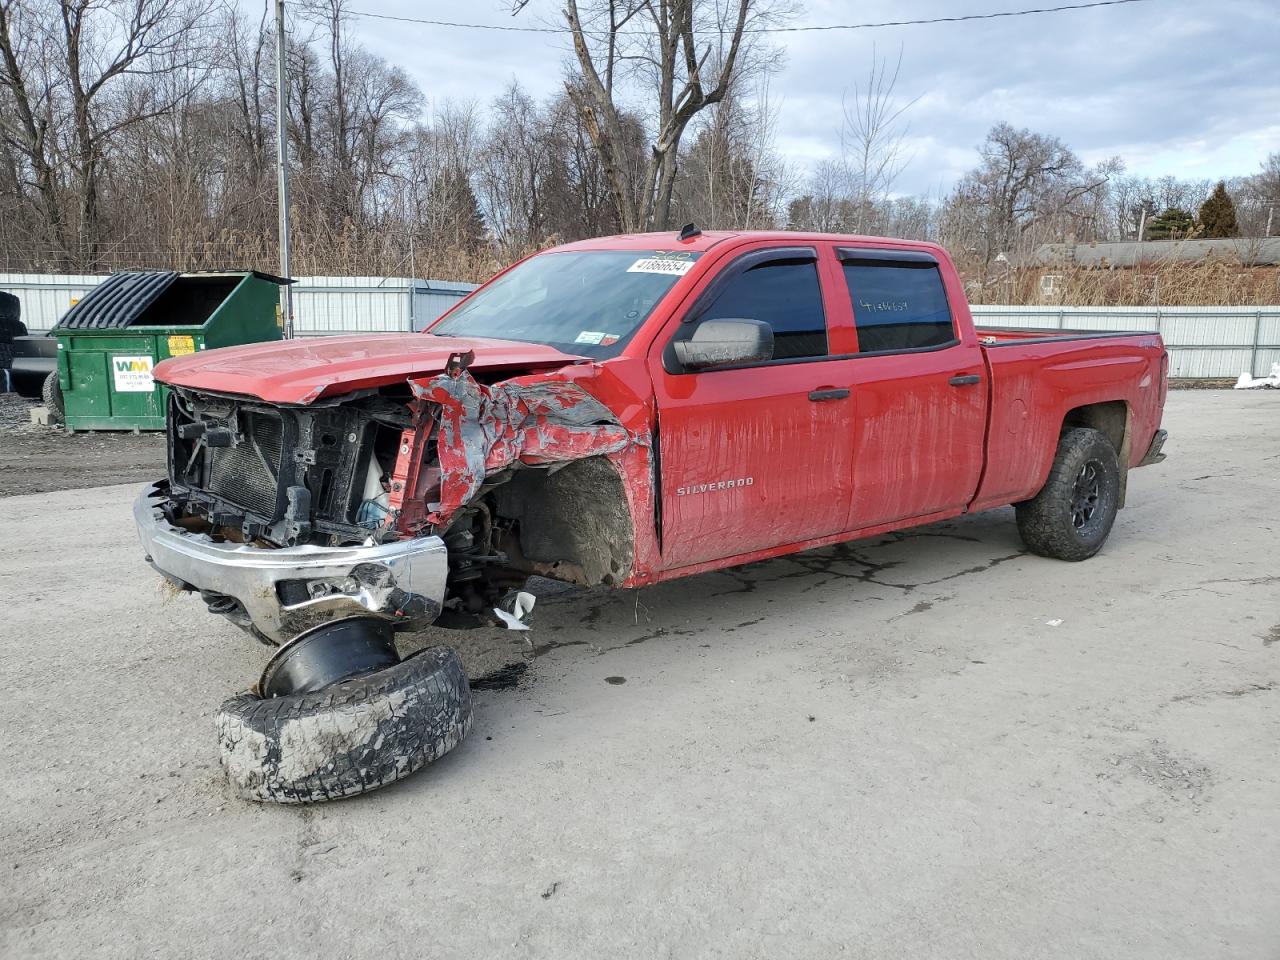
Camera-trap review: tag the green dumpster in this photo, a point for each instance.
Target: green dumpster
(109, 342)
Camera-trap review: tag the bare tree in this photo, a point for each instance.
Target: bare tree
(248, 55)
(730, 175)
(589, 208)
(825, 206)
(1258, 198)
(1028, 187)
(443, 159)
(873, 139)
(78, 73)
(658, 122)
(520, 171)
(684, 55)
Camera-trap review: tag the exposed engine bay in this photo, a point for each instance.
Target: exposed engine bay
(516, 476)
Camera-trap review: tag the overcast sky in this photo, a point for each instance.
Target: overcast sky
(1185, 87)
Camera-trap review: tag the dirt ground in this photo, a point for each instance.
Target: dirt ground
(930, 745)
(39, 459)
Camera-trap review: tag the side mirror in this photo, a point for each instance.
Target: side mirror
(719, 343)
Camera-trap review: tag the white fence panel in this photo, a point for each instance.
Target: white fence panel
(1203, 342)
(433, 297)
(45, 297)
(998, 316)
(329, 305)
(1199, 330)
(1202, 363)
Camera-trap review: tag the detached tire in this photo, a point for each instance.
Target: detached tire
(1072, 515)
(348, 738)
(51, 392)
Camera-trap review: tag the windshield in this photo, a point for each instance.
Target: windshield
(588, 302)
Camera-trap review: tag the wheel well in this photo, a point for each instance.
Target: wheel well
(1111, 419)
(573, 522)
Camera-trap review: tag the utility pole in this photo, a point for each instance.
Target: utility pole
(282, 171)
(413, 288)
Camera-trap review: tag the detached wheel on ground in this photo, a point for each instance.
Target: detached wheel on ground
(348, 737)
(51, 392)
(1071, 517)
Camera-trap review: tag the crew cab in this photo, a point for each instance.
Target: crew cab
(623, 411)
(629, 410)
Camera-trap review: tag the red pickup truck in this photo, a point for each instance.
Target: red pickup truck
(619, 411)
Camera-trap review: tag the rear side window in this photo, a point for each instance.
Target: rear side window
(898, 305)
(784, 294)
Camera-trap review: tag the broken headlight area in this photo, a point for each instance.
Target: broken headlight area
(515, 477)
(281, 476)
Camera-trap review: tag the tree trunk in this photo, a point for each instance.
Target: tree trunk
(30, 137)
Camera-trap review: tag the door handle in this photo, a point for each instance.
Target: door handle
(829, 393)
(967, 380)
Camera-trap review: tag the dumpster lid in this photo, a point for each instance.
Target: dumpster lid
(116, 301)
(122, 297)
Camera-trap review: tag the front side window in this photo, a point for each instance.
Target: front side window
(898, 305)
(784, 294)
(586, 302)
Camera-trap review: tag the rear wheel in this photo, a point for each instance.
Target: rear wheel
(1072, 515)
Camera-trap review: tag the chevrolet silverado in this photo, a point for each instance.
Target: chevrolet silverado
(620, 411)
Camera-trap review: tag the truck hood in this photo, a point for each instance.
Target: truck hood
(302, 371)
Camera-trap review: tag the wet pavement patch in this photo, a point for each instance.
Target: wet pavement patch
(504, 678)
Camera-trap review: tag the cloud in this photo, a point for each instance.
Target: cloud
(1172, 86)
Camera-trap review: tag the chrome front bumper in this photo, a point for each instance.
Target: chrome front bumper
(403, 582)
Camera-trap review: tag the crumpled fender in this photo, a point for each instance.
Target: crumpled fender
(532, 420)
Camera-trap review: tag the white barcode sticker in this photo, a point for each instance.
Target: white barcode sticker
(589, 336)
(670, 266)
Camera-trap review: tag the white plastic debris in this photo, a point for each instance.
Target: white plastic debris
(521, 607)
(1053, 623)
(376, 504)
(1271, 380)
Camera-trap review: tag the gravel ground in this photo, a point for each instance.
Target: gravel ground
(930, 745)
(15, 412)
(39, 459)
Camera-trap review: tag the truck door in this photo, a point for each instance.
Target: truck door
(919, 387)
(756, 455)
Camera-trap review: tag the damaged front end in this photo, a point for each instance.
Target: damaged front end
(440, 493)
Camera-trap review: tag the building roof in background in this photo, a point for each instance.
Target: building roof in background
(1253, 252)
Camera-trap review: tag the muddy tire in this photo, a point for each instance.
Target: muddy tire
(51, 392)
(348, 738)
(1072, 515)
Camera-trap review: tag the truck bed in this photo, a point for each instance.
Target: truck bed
(1039, 377)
